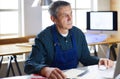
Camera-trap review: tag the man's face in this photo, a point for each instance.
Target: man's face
(64, 18)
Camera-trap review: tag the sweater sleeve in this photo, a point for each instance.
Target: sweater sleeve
(36, 59)
(86, 59)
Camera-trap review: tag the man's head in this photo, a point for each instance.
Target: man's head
(54, 7)
(61, 14)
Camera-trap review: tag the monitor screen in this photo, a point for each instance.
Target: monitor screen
(102, 20)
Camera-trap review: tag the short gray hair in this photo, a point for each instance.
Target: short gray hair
(54, 7)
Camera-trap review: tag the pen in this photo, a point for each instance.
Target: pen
(82, 73)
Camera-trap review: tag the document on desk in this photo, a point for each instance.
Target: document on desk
(75, 73)
(93, 38)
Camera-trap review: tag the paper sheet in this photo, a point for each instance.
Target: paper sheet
(24, 44)
(73, 73)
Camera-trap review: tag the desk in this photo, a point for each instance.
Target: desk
(13, 50)
(93, 73)
(111, 42)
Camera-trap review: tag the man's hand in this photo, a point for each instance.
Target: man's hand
(107, 62)
(52, 73)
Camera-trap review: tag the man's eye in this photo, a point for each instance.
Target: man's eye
(64, 15)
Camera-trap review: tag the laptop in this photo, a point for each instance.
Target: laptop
(117, 68)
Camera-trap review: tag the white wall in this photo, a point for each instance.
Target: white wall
(32, 18)
(101, 5)
(104, 5)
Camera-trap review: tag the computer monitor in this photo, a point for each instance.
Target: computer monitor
(102, 21)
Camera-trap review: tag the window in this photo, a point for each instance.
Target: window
(79, 7)
(9, 17)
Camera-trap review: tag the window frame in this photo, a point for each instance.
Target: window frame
(19, 11)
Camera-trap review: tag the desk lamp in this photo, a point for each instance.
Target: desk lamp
(41, 2)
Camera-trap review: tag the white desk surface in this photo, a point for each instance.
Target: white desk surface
(93, 73)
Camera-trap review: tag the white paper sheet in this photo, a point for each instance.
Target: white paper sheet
(73, 73)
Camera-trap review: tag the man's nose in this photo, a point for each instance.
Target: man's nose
(69, 17)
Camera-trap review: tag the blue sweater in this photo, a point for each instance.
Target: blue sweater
(42, 53)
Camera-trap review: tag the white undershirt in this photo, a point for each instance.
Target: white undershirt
(65, 35)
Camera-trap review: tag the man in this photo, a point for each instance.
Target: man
(60, 46)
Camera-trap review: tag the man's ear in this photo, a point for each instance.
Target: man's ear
(53, 19)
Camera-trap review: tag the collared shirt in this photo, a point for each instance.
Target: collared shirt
(43, 51)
